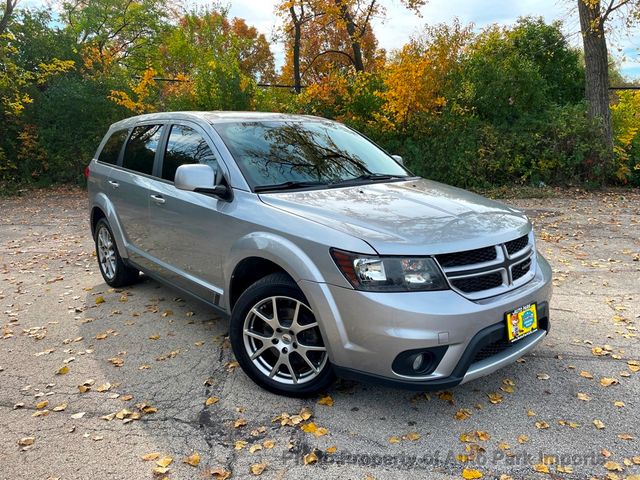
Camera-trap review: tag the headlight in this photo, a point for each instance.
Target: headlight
(389, 274)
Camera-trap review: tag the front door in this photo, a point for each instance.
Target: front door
(186, 227)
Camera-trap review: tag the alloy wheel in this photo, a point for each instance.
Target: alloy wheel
(106, 252)
(282, 338)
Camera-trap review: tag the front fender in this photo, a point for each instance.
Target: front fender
(101, 201)
(275, 248)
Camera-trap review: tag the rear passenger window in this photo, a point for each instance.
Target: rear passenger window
(185, 146)
(141, 148)
(111, 150)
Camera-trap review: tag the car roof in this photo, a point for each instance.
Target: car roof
(214, 117)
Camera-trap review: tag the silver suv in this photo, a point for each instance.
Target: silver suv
(324, 252)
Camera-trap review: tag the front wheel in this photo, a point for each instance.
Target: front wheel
(276, 339)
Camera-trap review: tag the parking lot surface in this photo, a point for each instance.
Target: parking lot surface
(103, 383)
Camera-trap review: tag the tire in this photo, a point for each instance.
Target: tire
(113, 269)
(290, 343)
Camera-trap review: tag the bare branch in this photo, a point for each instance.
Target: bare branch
(612, 8)
(326, 52)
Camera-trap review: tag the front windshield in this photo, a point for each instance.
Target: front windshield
(299, 151)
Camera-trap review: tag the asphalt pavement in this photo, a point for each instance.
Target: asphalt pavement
(104, 383)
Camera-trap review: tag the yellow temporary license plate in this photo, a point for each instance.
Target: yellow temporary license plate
(522, 321)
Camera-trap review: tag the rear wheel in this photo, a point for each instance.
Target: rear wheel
(114, 271)
(276, 339)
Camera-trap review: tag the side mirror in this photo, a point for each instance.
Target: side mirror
(199, 178)
(398, 159)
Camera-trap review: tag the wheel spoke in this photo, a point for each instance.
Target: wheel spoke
(294, 321)
(307, 326)
(275, 312)
(252, 334)
(276, 367)
(269, 321)
(292, 372)
(310, 363)
(304, 349)
(260, 351)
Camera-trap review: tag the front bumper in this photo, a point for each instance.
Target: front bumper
(366, 331)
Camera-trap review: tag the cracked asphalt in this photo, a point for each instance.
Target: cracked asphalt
(154, 358)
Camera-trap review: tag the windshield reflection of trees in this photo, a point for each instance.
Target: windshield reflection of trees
(294, 153)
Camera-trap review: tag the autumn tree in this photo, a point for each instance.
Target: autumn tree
(125, 32)
(326, 51)
(346, 23)
(594, 19)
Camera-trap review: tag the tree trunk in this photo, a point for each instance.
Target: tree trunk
(7, 11)
(596, 61)
(297, 38)
(352, 30)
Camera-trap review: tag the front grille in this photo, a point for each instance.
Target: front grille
(514, 246)
(520, 270)
(492, 349)
(475, 272)
(468, 257)
(479, 283)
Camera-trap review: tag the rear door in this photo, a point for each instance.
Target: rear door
(129, 184)
(185, 226)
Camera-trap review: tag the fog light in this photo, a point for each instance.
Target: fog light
(418, 362)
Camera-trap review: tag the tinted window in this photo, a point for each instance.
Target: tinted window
(275, 152)
(141, 148)
(111, 149)
(184, 146)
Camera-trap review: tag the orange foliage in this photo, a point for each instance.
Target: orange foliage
(141, 92)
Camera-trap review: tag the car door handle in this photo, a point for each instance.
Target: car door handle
(158, 199)
(114, 184)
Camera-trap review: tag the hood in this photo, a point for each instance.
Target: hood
(415, 217)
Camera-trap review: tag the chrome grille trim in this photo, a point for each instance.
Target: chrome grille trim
(504, 263)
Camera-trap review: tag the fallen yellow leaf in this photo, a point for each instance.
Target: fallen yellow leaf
(151, 456)
(612, 466)
(607, 382)
(326, 400)
(63, 370)
(541, 468)
(26, 441)
(211, 400)
(269, 443)
(193, 460)
(310, 458)
(219, 473)
(258, 468)
(470, 474)
(41, 405)
(99, 300)
(164, 462)
(599, 424)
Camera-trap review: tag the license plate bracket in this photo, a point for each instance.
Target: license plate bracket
(521, 322)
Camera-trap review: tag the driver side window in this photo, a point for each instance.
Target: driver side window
(184, 146)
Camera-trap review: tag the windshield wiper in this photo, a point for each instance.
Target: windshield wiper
(288, 185)
(366, 177)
